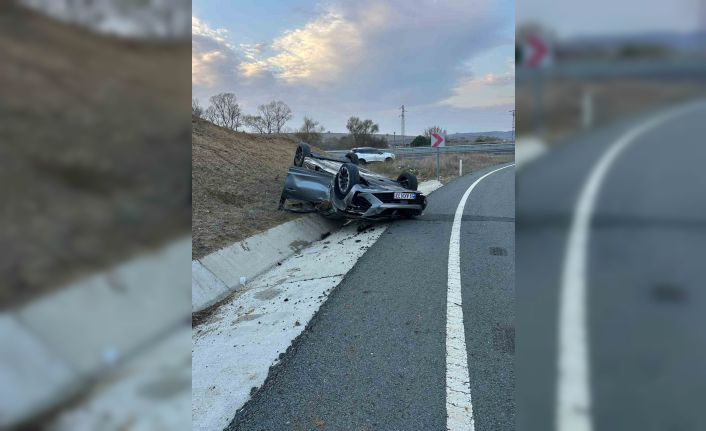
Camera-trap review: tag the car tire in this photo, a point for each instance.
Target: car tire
(347, 177)
(353, 157)
(388, 159)
(408, 180)
(303, 151)
(362, 161)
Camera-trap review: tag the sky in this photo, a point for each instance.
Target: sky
(450, 62)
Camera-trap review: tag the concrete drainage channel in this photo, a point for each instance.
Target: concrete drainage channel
(245, 333)
(99, 343)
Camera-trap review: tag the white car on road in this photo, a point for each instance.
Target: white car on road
(369, 155)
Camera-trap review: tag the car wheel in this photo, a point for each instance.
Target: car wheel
(347, 177)
(407, 180)
(353, 157)
(362, 161)
(303, 151)
(388, 159)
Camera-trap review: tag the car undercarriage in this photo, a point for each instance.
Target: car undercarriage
(340, 189)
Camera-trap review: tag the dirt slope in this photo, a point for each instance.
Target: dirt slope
(94, 154)
(237, 182)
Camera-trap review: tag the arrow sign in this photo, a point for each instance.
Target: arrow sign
(537, 52)
(437, 140)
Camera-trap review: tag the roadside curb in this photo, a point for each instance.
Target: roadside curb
(57, 345)
(217, 275)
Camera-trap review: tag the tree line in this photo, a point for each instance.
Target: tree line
(224, 111)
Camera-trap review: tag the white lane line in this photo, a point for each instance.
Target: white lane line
(573, 398)
(459, 410)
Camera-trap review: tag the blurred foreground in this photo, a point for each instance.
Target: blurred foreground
(610, 216)
(95, 150)
(94, 162)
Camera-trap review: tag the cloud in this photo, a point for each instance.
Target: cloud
(362, 58)
(318, 52)
(199, 28)
(379, 46)
(490, 90)
(213, 56)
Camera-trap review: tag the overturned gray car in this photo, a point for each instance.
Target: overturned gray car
(338, 188)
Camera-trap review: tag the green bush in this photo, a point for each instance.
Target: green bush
(421, 141)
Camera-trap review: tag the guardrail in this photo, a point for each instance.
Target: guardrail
(692, 69)
(419, 152)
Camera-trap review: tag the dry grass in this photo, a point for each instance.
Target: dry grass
(237, 182)
(425, 168)
(613, 99)
(94, 150)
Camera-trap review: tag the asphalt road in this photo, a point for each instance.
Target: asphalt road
(645, 305)
(374, 357)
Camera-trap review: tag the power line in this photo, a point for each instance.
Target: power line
(402, 108)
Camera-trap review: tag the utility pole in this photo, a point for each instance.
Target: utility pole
(513, 125)
(402, 108)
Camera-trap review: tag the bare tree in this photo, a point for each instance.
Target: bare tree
(310, 131)
(196, 108)
(282, 114)
(224, 111)
(256, 123)
(275, 114)
(270, 118)
(433, 129)
(267, 117)
(362, 130)
(210, 114)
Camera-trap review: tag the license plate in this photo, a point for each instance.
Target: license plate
(405, 196)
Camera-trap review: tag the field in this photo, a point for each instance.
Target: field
(425, 168)
(614, 99)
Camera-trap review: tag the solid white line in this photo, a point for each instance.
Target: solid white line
(573, 398)
(459, 410)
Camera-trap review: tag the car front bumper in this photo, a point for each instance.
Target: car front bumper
(375, 205)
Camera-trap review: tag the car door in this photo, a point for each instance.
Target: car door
(368, 155)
